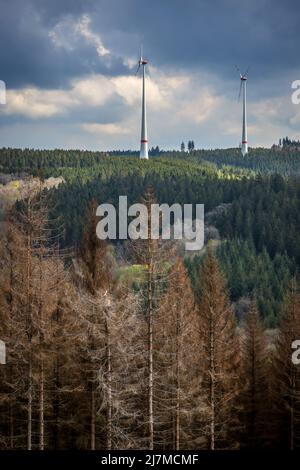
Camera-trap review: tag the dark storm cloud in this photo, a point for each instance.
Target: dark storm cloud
(206, 34)
(213, 35)
(28, 55)
(42, 43)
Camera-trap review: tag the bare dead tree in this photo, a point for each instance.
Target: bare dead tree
(151, 253)
(175, 334)
(219, 357)
(253, 381)
(286, 384)
(33, 295)
(94, 272)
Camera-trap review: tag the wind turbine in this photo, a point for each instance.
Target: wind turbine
(243, 78)
(144, 138)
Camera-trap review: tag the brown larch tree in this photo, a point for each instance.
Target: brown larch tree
(286, 375)
(175, 333)
(218, 359)
(253, 380)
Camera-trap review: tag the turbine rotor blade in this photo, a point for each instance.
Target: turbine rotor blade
(240, 91)
(138, 68)
(246, 73)
(239, 72)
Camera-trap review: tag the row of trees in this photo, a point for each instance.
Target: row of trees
(95, 364)
(259, 160)
(287, 142)
(190, 146)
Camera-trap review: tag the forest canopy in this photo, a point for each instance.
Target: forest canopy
(251, 205)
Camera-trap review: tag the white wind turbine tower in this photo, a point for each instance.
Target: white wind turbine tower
(244, 143)
(144, 137)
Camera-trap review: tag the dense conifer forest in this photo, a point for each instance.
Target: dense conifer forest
(142, 345)
(251, 204)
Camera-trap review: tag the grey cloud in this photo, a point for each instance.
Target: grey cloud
(176, 34)
(28, 55)
(188, 36)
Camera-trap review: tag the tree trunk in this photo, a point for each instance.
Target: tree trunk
(29, 332)
(41, 411)
(11, 426)
(292, 413)
(212, 390)
(177, 431)
(109, 391)
(93, 419)
(29, 406)
(150, 355)
(56, 406)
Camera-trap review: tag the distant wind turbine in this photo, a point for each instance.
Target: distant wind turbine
(244, 143)
(144, 137)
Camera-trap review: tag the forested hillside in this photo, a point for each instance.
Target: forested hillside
(258, 231)
(114, 341)
(94, 362)
(260, 160)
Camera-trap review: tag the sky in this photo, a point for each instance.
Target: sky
(69, 67)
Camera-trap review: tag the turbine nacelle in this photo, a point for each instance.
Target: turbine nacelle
(141, 62)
